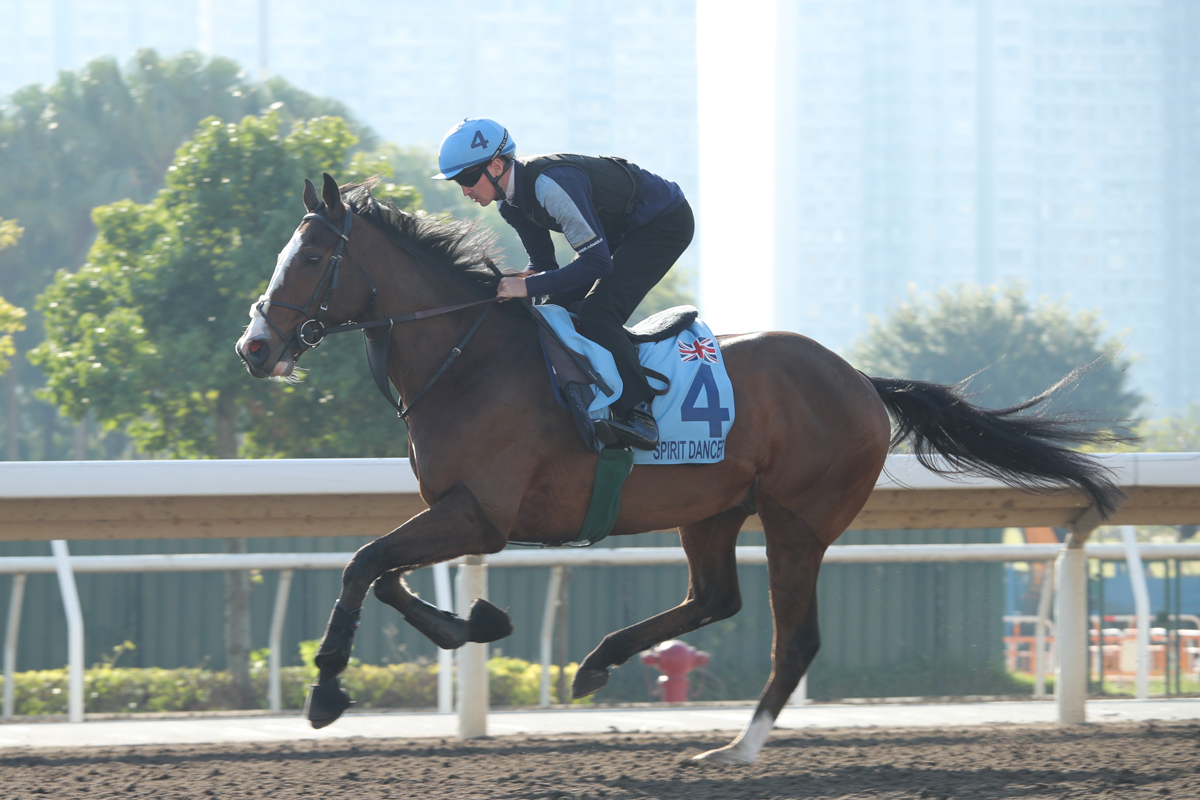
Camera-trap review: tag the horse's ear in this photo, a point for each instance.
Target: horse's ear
(311, 201)
(332, 196)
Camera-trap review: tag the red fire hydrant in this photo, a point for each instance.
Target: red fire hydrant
(675, 659)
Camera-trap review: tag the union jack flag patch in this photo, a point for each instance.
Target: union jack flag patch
(699, 350)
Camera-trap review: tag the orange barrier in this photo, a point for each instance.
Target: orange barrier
(1116, 645)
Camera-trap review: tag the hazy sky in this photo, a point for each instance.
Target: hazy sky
(735, 55)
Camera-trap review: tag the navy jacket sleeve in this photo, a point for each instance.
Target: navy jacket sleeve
(536, 239)
(566, 194)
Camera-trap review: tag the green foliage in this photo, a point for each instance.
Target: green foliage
(113, 690)
(11, 317)
(413, 166)
(97, 136)
(142, 334)
(110, 689)
(102, 134)
(10, 233)
(516, 682)
(1180, 434)
(1021, 349)
(671, 291)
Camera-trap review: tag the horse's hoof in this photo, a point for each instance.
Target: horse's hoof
(488, 623)
(448, 631)
(729, 754)
(325, 702)
(588, 681)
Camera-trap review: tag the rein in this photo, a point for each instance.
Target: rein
(310, 333)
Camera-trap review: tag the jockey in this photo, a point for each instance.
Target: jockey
(627, 226)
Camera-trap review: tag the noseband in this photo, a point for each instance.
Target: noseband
(309, 333)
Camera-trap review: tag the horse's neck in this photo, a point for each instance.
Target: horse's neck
(420, 347)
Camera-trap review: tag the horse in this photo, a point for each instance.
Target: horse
(498, 460)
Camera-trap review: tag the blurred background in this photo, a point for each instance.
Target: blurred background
(932, 188)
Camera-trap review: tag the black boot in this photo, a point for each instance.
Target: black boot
(326, 698)
(637, 429)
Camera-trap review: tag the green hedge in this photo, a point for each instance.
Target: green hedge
(110, 689)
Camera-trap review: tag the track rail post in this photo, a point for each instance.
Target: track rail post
(444, 598)
(553, 592)
(1039, 647)
(74, 612)
(472, 658)
(1072, 672)
(275, 660)
(11, 632)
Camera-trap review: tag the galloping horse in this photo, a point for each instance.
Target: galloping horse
(498, 460)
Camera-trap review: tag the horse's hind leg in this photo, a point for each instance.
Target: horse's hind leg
(794, 554)
(712, 595)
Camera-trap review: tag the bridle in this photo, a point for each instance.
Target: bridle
(310, 333)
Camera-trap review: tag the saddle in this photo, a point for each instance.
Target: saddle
(664, 325)
(577, 383)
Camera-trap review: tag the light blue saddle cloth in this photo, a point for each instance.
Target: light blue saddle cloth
(694, 416)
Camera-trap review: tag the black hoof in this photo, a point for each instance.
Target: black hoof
(487, 622)
(325, 702)
(448, 631)
(588, 681)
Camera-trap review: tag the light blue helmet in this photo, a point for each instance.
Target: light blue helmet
(471, 142)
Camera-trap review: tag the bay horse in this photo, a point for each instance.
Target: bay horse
(498, 460)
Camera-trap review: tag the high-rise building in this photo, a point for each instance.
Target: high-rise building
(934, 142)
(617, 78)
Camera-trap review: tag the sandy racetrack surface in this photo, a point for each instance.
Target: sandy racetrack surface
(1136, 760)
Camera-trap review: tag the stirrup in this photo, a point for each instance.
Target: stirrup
(638, 429)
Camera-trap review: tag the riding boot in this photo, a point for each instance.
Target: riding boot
(637, 429)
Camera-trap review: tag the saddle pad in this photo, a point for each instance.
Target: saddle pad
(601, 360)
(694, 417)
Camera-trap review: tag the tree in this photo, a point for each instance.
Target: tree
(671, 291)
(141, 336)
(1017, 348)
(11, 317)
(100, 135)
(1179, 434)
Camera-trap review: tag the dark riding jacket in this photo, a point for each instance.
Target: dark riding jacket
(593, 202)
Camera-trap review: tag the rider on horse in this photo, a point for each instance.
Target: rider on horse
(627, 226)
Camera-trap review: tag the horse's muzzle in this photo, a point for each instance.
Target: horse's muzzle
(255, 353)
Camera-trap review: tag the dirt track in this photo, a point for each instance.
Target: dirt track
(1111, 760)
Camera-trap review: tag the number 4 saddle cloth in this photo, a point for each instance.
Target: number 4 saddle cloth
(696, 409)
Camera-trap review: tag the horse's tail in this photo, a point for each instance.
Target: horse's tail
(1025, 451)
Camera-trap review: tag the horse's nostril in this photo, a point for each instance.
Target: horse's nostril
(254, 346)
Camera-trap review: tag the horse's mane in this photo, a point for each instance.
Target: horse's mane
(453, 246)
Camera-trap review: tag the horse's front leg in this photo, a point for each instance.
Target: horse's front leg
(484, 623)
(454, 526)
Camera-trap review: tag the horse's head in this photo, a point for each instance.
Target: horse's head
(310, 289)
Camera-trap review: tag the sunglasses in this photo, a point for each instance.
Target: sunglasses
(470, 177)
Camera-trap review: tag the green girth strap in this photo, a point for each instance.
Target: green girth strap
(611, 471)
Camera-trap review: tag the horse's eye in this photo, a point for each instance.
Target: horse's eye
(313, 259)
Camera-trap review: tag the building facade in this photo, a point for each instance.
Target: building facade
(936, 142)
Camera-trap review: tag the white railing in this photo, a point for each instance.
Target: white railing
(472, 677)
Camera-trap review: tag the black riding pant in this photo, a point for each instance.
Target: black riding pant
(640, 261)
